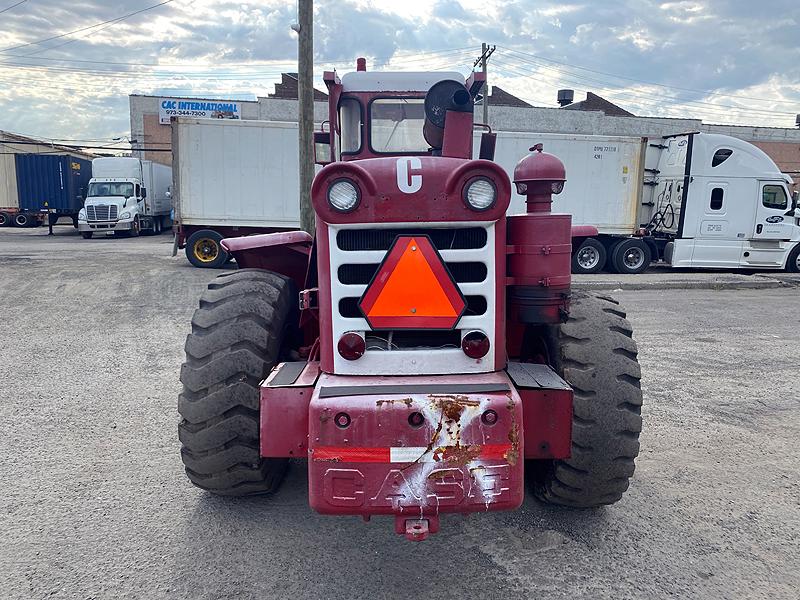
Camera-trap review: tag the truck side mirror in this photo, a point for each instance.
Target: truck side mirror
(322, 147)
(169, 194)
(144, 192)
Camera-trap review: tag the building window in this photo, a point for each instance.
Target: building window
(720, 156)
(774, 196)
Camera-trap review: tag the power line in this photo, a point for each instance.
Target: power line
(407, 57)
(110, 21)
(639, 96)
(699, 91)
(13, 6)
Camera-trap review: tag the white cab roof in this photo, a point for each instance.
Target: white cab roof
(747, 160)
(395, 81)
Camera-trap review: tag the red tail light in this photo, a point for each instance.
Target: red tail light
(352, 346)
(475, 344)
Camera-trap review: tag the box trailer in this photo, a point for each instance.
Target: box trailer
(232, 178)
(691, 200)
(44, 187)
(127, 196)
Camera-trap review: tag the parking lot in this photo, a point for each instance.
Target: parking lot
(95, 503)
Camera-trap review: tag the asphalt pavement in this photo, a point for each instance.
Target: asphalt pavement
(95, 503)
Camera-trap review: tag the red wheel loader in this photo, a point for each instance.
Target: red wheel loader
(422, 352)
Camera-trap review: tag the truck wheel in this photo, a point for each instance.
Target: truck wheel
(590, 257)
(793, 262)
(237, 337)
(5, 219)
(203, 249)
(631, 256)
(87, 235)
(595, 353)
(22, 220)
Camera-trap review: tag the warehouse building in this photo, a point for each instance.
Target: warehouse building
(595, 115)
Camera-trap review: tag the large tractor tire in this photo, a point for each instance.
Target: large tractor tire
(595, 353)
(238, 334)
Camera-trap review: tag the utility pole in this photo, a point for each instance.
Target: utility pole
(486, 52)
(305, 96)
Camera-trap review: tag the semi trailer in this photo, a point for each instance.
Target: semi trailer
(423, 350)
(232, 178)
(44, 187)
(693, 200)
(127, 196)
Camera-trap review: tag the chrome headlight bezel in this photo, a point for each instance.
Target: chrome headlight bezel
(471, 189)
(342, 184)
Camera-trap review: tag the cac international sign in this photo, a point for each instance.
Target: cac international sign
(199, 109)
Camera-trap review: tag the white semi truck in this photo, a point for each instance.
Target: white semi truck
(232, 178)
(693, 200)
(126, 196)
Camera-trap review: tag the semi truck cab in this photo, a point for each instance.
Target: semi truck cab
(733, 206)
(118, 199)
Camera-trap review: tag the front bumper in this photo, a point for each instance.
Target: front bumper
(375, 449)
(412, 447)
(101, 226)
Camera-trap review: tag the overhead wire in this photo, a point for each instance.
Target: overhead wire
(641, 81)
(82, 29)
(652, 98)
(12, 6)
(647, 98)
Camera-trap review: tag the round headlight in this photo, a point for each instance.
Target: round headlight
(343, 195)
(480, 193)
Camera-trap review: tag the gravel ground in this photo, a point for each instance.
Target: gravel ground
(95, 503)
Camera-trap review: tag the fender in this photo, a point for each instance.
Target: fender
(286, 253)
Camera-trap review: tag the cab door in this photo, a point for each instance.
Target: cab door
(771, 221)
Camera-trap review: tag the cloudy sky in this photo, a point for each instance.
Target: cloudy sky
(735, 61)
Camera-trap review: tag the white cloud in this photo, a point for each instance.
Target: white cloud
(238, 48)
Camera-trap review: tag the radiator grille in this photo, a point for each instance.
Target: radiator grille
(462, 272)
(101, 212)
(381, 239)
(468, 251)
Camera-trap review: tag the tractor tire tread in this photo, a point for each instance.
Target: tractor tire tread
(235, 340)
(607, 405)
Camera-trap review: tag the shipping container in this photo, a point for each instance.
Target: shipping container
(604, 176)
(48, 183)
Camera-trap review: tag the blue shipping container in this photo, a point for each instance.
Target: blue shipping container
(47, 182)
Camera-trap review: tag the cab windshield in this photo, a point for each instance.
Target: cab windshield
(111, 188)
(396, 125)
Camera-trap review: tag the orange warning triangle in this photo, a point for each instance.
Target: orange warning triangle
(412, 289)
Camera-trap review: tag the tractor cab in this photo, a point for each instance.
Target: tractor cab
(373, 115)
